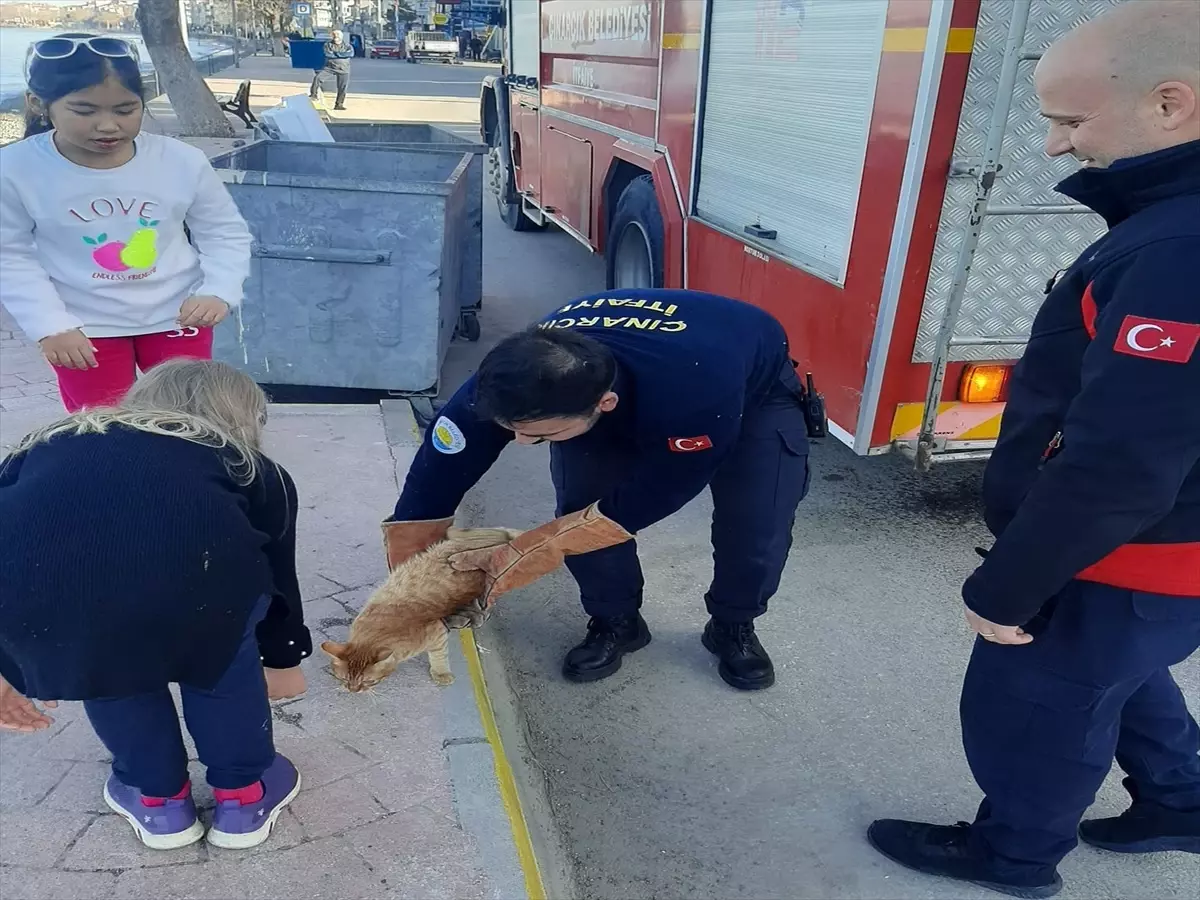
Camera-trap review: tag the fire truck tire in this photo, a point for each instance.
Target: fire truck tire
(634, 253)
(509, 212)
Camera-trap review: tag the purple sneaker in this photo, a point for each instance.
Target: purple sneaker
(167, 827)
(238, 827)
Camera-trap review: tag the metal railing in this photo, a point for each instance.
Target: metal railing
(208, 65)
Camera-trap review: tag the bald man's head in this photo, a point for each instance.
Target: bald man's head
(1125, 83)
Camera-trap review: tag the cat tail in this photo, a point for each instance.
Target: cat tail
(479, 538)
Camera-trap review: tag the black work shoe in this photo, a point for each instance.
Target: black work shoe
(945, 850)
(1145, 828)
(341, 108)
(607, 641)
(744, 663)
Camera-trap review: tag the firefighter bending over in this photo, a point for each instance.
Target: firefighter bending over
(646, 397)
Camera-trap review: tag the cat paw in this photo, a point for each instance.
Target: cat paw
(442, 678)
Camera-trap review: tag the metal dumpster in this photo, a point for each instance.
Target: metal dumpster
(430, 137)
(355, 274)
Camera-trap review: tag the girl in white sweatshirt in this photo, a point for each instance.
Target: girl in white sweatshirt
(95, 264)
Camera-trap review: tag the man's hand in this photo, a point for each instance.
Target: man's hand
(69, 350)
(996, 634)
(283, 684)
(202, 312)
(18, 713)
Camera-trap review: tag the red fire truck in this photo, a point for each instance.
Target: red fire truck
(869, 171)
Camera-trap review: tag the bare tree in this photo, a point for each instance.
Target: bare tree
(199, 112)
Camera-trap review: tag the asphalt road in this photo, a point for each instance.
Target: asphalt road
(389, 76)
(664, 782)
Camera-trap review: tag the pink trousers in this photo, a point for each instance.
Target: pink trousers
(120, 359)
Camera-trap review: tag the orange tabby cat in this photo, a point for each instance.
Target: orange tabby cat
(404, 615)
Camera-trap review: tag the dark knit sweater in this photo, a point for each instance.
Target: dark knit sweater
(130, 560)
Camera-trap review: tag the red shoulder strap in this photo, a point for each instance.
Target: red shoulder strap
(1088, 304)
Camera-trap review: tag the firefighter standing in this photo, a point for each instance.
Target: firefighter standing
(1092, 588)
(646, 397)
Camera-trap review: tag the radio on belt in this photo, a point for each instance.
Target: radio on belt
(814, 409)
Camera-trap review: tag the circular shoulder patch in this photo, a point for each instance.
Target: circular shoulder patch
(447, 437)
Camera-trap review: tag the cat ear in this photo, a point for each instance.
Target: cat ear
(334, 650)
(383, 654)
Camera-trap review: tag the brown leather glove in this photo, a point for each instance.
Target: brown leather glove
(535, 553)
(402, 540)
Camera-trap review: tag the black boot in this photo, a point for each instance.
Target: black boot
(1145, 828)
(744, 663)
(607, 641)
(946, 850)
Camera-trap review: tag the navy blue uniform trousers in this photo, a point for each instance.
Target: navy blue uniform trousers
(755, 492)
(1042, 722)
(230, 723)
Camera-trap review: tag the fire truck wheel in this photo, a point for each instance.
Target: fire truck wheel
(634, 256)
(501, 172)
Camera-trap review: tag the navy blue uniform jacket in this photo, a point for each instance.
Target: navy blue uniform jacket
(1096, 474)
(689, 364)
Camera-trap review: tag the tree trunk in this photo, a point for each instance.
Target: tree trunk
(197, 109)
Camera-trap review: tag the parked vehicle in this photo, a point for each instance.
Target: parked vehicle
(387, 50)
(430, 45)
(824, 160)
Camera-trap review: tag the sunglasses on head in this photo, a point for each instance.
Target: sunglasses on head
(65, 47)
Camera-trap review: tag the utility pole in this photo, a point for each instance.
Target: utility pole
(237, 61)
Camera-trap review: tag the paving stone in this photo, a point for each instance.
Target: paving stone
(328, 618)
(31, 403)
(318, 870)
(25, 782)
(410, 779)
(111, 844)
(335, 808)
(77, 742)
(37, 837)
(81, 789)
(38, 884)
(421, 854)
(321, 760)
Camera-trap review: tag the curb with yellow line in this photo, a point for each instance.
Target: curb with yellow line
(509, 795)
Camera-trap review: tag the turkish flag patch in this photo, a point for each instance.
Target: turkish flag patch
(689, 445)
(1158, 339)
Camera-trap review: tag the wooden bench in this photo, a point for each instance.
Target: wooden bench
(239, 104)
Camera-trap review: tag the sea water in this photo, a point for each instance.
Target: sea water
(15, 41)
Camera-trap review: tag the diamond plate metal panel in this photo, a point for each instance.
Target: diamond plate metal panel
(1016, 254)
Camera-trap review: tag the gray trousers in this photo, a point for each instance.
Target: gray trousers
(343, 82)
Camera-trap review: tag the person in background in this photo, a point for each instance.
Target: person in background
(464, 43)
(337, 63)
(95, 264)
(1091, 591)
(147, 544)
(476, 48)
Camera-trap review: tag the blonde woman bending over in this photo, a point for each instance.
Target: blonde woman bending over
(147, 544)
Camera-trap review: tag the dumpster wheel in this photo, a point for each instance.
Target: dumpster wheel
(423, 411)
(468, 326)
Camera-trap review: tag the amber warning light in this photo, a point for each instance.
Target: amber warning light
(983, 384)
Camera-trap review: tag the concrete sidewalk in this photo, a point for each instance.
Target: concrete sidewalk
(401, 796)
(381, 91)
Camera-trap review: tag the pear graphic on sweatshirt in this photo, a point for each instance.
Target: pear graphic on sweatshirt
(141, 252)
